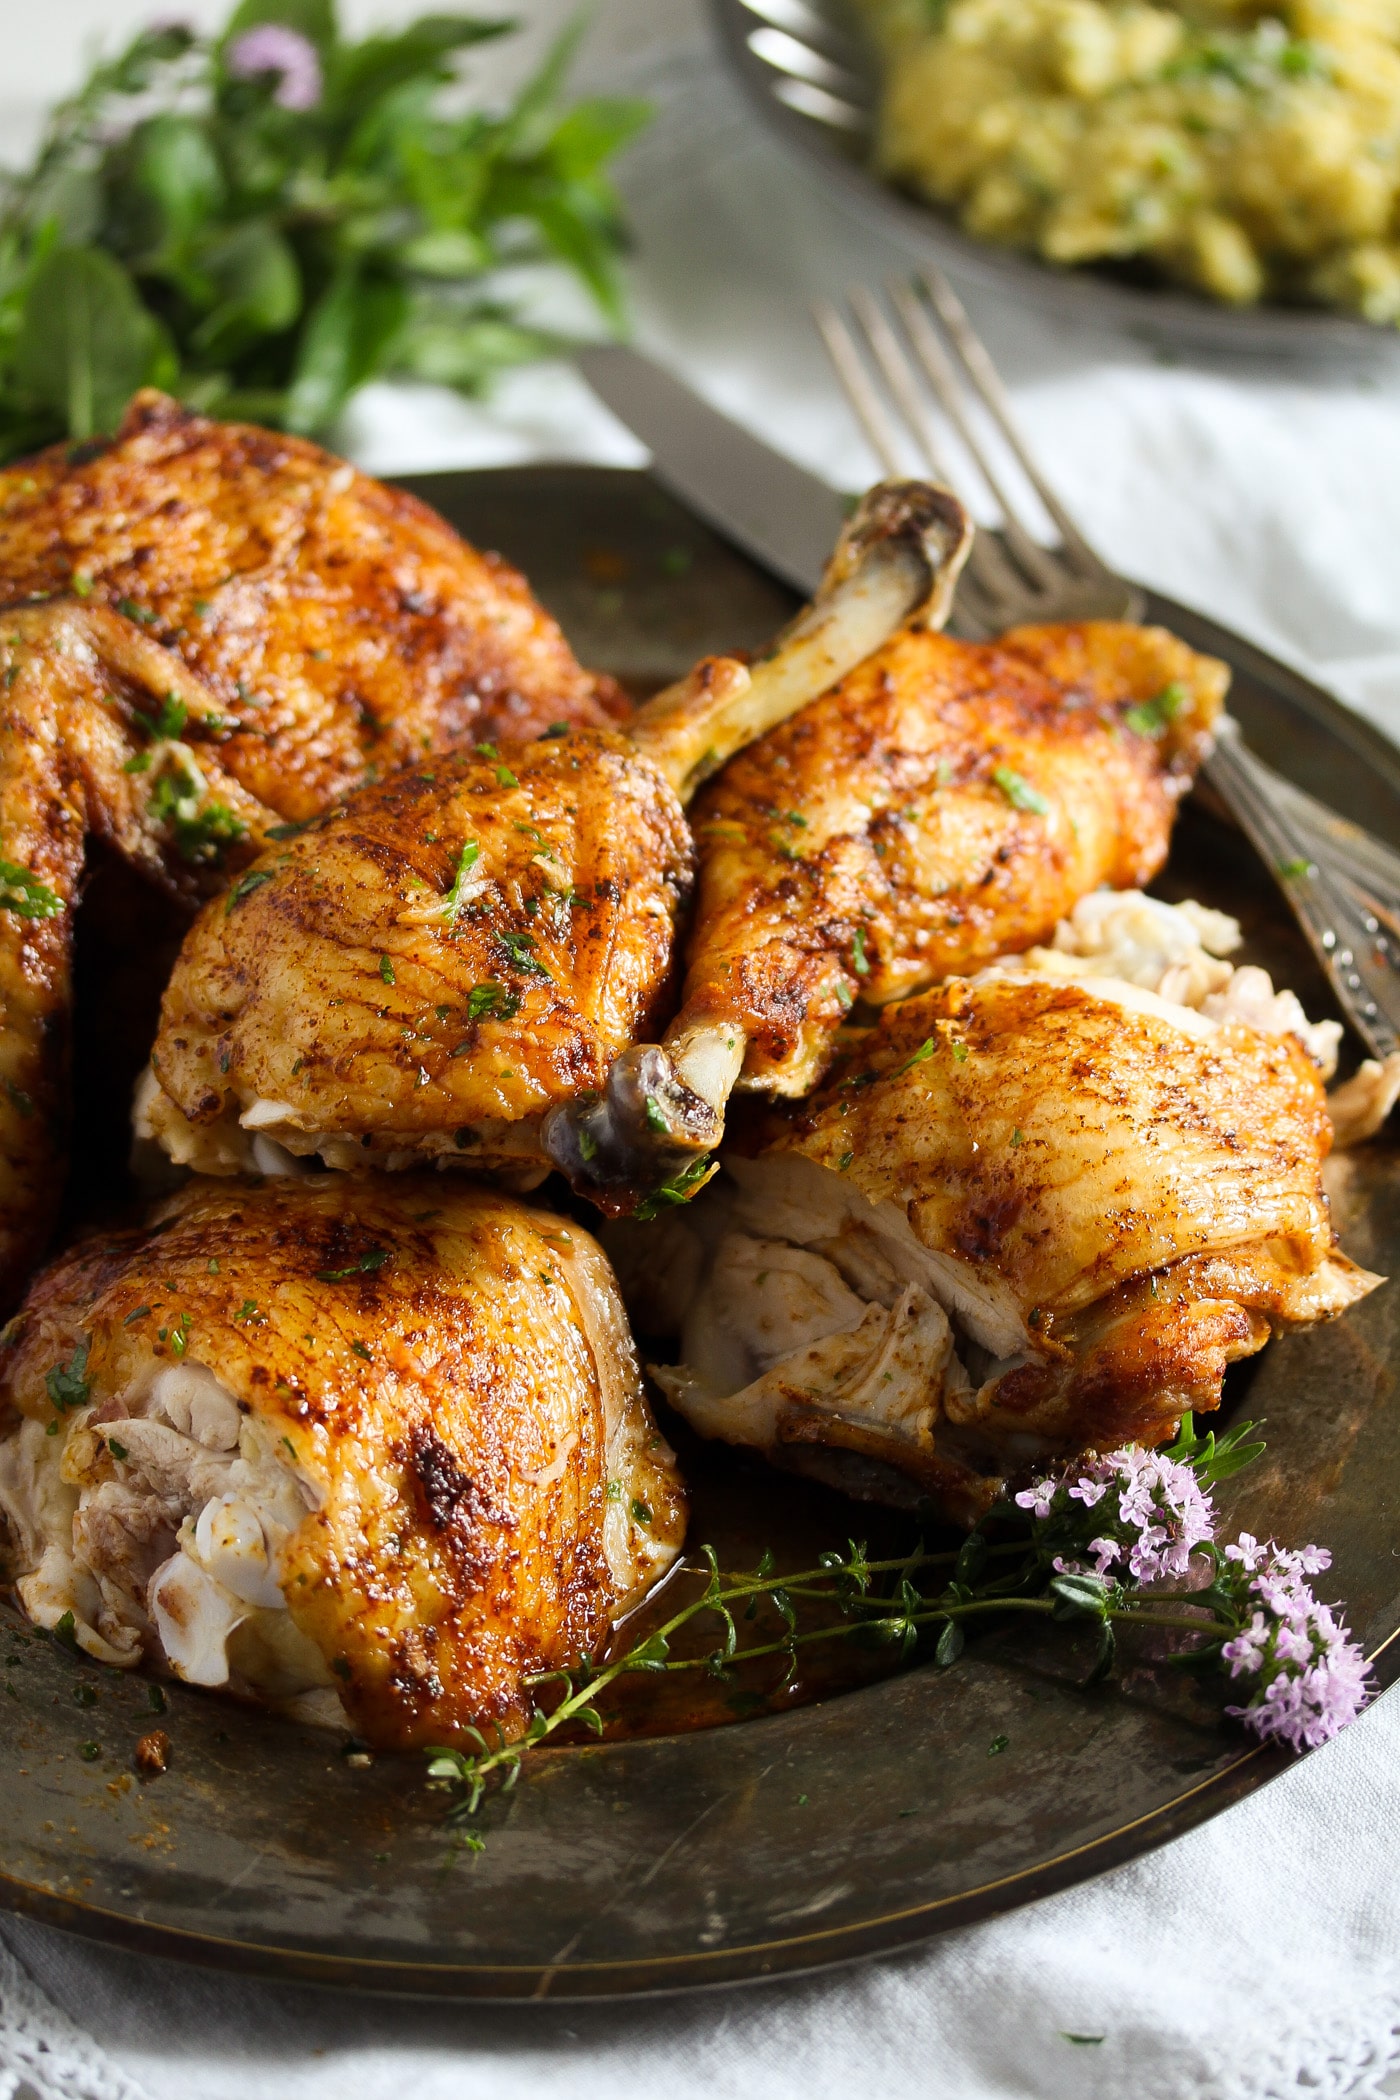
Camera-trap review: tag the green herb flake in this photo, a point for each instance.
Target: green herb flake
(519, 947)
(245, 886)
(22, 893)
(1016, 1138)
(679, 1189)
(365, 1266)
(1082, 2041)
(68, 1384)
(89, 1752)
(118, 1451)
(1019, 792)
(386, 969)
(844, 1161)
(1154, 717)
(556, 729)
(65, 1630)
(486, 751)
(998, 1744)
(959, 1051)
(920, 1056)
(493, 999)
(640, 1513)
(141, 1313)
(506, 778)
(858, 958)
(656, 1119)
(360, 1350)
(1296, 870)
(169, 725)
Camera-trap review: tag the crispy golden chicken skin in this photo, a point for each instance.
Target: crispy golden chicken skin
(339, 625)
(429, 970)
(461, 963)
(1025, 1218)
(946, 803)
(84, 696)
(369, 1452)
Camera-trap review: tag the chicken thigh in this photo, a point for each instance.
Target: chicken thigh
(373, 1453)
(1030, 1215)
(341, 627)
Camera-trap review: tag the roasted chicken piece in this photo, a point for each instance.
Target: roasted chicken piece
(103, 735)
(228, 628)
(369, 1452)
(444, 965)
(341, 627)
(1028, 1216)
(948, 802)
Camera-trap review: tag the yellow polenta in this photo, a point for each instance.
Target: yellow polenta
(1253, 154)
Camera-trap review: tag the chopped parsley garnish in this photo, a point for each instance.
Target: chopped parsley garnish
(640, 1513)
(117, 1450)
(248, 1310)
(656, 1119)
(556, 729)
(180, 1335)
(142, 1312)
(844, 1161)
(997, 1745)
(245, 886)
(466, 860)
(360, 1350)
(374, 1259)
(22, 893)
(140, 613)
(1019, 793)
(679, 1189)
(68, 1384)
(201, 834)
(290, 831)
(386, 970)
(924, 1051)
(506, 778)
(169, 724)
(487, 751)
(1153, 717)
(858, 958)
(1295, 870)
(493, 999)
(518, 947)
(959, 1053)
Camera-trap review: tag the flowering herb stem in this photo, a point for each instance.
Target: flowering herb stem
(1093, 1543)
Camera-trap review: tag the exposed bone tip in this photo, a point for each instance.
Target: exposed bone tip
(645, 1132)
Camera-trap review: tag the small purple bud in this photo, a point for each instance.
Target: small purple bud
(273, 48)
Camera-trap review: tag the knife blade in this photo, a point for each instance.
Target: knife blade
(785, 517)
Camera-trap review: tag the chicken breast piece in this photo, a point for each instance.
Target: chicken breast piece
(946, 803)
(341, 627)
(425, 973)
(369, 1452)
(1034, 1217)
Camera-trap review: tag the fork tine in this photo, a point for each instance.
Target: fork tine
(1033, 559)
(986, 564)
(986, 379)
(869, 408)
(899, 375)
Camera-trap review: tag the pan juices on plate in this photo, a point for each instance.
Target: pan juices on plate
(368, 1452)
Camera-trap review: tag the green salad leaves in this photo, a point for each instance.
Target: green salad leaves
(264, 220)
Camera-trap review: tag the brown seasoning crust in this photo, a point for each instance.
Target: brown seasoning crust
(911, 845)
(420, 1399)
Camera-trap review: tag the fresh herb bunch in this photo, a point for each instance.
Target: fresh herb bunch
(1124, 1539)
(264, 220)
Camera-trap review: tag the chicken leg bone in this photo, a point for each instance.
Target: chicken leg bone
(896, 565)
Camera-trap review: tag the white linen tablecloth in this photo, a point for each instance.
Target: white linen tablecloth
(1255, 1959)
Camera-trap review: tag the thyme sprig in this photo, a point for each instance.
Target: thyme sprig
(1097, 1545)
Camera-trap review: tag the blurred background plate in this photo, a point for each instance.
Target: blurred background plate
(860, 1822)
(812, 81)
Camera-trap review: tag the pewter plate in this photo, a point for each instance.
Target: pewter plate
(844, 1819)
(811, 80)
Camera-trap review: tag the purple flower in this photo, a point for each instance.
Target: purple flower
(273, 48)
(1157, 1512)
(1310, 1677)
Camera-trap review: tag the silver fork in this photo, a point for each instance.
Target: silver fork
(899, 356)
